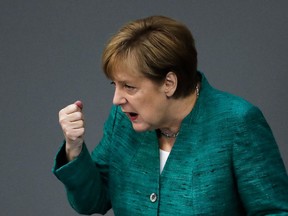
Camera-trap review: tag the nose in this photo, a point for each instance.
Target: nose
(118, 98)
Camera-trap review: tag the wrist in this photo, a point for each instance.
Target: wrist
(73, 152)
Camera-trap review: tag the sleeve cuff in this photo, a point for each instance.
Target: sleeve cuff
(70, 173)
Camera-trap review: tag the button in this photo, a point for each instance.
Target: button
(153, 197)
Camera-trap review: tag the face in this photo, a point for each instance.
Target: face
(143, 101)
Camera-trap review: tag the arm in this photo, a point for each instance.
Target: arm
(85, 179)
(259, 170)
(86, 191)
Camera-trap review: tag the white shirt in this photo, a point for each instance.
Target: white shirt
(163, 158)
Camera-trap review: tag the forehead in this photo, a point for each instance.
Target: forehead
(125, 69)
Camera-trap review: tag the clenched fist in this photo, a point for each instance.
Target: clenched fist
(72, 123)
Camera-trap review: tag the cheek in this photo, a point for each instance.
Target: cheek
(151, 106)
(151, 112)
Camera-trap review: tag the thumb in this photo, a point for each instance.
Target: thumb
(79, 104)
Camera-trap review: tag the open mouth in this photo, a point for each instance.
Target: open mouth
(133, 116)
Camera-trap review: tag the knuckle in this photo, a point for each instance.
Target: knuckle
(61, 121)
(64, 128)
(70, 135)
(63, 124)
(79, 115)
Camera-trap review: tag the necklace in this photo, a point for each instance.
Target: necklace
(169, 135)
(174, 135)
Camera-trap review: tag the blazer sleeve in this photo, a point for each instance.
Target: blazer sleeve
(259, 170)
(86, 178)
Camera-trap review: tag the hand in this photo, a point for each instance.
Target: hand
(72, 123)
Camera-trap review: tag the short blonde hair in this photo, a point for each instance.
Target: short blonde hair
(159, 45)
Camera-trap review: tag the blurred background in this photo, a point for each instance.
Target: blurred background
(50, 54)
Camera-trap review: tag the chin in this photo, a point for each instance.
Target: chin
(140, 128)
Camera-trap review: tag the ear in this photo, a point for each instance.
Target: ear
(170, 84)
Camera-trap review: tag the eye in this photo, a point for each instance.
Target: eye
(113, 83)
(128, 87)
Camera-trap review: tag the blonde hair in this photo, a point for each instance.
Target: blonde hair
(159, 45)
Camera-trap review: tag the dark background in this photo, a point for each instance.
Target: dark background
(50, 55)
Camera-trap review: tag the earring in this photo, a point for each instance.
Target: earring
(197, 90)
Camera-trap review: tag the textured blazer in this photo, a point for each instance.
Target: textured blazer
(224, 162)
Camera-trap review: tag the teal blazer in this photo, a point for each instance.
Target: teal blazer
(224, 162)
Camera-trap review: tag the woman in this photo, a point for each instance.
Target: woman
(223, 159)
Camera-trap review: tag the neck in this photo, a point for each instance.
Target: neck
(178, 110)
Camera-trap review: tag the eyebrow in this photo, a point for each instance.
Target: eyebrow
(124, 82)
